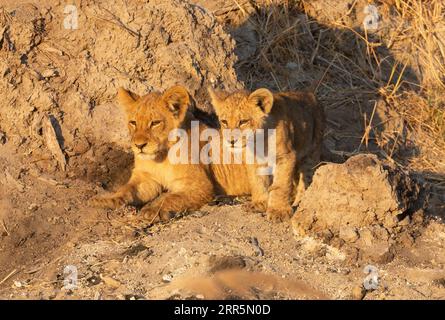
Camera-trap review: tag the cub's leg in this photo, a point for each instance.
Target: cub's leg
(258, 188)
(139, 189)
(278, 208)
(184, 195)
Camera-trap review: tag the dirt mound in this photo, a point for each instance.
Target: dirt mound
(364, 205)
(72, 75)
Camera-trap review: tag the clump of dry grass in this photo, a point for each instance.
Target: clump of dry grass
(420, 34)
(282, 43)
(402, 65)
(423, 36)
(424, 121)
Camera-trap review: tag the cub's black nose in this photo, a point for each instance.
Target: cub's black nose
(140, 146)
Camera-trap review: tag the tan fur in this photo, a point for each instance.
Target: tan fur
(163, 188)
(299, 123)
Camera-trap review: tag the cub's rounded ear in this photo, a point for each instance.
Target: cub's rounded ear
(263, 99)
(178, 101)
(126, 99)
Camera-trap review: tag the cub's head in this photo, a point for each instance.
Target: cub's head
(152, 117)
(241, 110)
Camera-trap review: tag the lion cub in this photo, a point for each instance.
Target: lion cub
(163, 187)
(298, 121)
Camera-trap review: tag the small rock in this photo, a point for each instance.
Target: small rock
(2, 137)
(366, 237)
(49, 73)
(418, 216)
(349, 234)
(379, 252)
(345, 271)
(380, 233)
(33, 207)
(92, 281)
(358, 293)
(18, 284)
(439, 282)
(292, 65)
(405, 221)
(167, 278)
(110, 281)
(390, 221)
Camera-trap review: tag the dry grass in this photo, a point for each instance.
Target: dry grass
(425, 123)
(424, 30)
(400, 69)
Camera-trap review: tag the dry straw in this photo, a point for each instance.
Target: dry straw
(399, 70)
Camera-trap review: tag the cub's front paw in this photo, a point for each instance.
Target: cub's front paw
(255, 206)
(107, 201)
(279, 214)
(152, 214)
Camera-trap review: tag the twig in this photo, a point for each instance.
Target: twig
(368, 128)
(48, 180)
(13, 272)
(4, 227)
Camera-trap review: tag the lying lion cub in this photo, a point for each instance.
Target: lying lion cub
(163, 187)
(299, 123)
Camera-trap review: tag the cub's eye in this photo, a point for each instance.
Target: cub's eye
(156, 123)
(132, 123)
(224, 123)
(242, 123)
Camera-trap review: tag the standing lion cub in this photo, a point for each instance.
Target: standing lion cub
(162, 187)
(298, 121)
